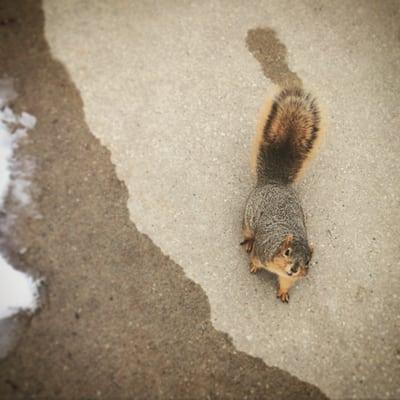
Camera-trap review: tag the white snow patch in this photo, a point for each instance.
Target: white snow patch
(20, 191)
(27, 120)
(7, 92)
(18, 291)
(7, 115)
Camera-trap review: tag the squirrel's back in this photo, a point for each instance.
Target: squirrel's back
(289, 133)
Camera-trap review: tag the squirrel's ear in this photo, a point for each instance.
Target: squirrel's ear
(288, 241)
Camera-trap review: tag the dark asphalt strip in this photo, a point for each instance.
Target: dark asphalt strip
(121, 319)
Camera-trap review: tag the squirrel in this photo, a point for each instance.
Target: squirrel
(274, 230)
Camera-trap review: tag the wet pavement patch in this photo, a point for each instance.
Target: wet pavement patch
(271, 53)
(121, 319)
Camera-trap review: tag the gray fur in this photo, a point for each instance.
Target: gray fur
(272, 212)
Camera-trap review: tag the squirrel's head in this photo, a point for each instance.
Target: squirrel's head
(293, 257)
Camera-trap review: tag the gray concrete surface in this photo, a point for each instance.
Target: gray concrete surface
(119, 319)
(172, 90)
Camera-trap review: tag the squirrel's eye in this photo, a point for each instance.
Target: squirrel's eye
(287, 253)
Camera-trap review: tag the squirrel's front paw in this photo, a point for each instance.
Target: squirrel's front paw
(284, 296)
(253, 268)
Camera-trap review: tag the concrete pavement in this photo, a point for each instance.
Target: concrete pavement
(119, 319)
(172, 90)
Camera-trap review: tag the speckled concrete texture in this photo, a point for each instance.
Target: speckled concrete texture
(173, 91)
(119, 320)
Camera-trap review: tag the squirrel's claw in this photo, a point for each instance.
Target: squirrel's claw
(284, 296)
(254, 269)
(248, 243)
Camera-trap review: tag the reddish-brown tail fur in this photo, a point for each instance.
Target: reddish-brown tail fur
(289, 133)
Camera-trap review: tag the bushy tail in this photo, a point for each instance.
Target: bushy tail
(289, 133)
